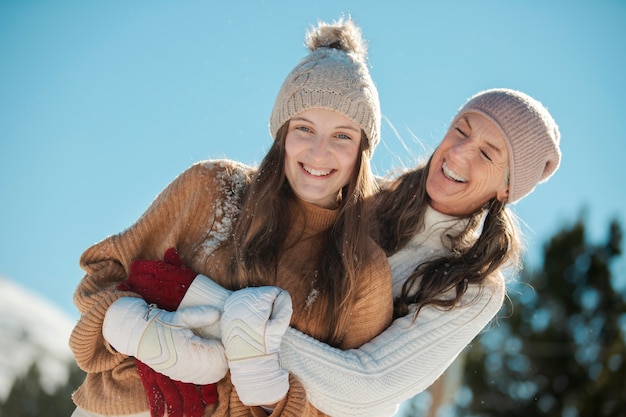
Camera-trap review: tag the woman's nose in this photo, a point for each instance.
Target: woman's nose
(462, 150)
(319, 147)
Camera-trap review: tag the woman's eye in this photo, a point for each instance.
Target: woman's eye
(303, 128)
(485, 155)
(461, 132)
(344, 136)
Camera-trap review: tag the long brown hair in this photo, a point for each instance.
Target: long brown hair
(260, 231)
(400, 210)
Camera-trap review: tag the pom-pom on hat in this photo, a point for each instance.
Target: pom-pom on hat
(334, 76)
(531, 134)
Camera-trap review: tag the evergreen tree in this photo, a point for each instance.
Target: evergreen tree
(28, 399)
(559, 349)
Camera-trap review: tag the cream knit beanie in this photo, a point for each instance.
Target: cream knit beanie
(531, 134)
(334, 76)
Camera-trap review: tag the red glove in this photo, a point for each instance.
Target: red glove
(180, 398)
(165, 283)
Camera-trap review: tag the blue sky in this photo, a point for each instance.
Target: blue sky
(102, 104)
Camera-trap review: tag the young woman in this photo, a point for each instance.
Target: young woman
(298, 222)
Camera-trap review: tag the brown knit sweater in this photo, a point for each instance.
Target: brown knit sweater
(193, 214)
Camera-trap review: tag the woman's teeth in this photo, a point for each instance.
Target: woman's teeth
(451, 174)
(316, 172)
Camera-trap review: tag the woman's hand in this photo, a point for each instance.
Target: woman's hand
(253, 324)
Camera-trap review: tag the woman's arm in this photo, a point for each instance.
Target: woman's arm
(398, 364)
(106, 266)
(177, 218)
(401, 362)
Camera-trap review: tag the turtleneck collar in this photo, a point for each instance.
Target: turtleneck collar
(436, 224)
(313, 219)
(427, 244)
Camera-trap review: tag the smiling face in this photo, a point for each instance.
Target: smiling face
(321, 152)
(469, 167)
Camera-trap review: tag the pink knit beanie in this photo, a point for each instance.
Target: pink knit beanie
(333, 76)
(531, 134)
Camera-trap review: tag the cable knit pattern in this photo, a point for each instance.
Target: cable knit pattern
(408, 356)
(193, 214)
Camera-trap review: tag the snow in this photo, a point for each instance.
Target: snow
(33, 330)
(230, 184)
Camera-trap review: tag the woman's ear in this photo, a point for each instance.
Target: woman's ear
(503, 193)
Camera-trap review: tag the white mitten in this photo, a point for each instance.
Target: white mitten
(204, 291)
(253, 324)
(164, 341)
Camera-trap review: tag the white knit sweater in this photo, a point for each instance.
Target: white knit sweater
(408, 356)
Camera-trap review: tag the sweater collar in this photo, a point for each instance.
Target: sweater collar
(312, 219)
(436, 224)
